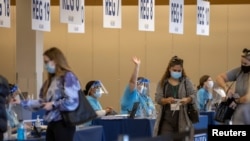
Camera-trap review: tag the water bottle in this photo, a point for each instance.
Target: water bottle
(21, 133)
(123, 138)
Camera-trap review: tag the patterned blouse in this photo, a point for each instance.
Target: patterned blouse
(62, 91)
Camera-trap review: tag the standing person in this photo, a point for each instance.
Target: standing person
(242, 115)
(137, 90)
(58, 93)
(94, 90)
(4, 91)
(204, 94)
(239, 75)
(174, 91)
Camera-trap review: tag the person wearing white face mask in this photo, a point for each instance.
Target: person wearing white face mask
(204, 94)
(137, 90)
(94, 90)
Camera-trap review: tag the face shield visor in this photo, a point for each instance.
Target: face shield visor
(143, 86)
(98, 85)
(15, 91)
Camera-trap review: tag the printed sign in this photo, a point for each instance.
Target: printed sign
(146, 16)
(5, 13)
(70, 11)
(40, 12)
(203, 17)
(112, 13)
(200, 137)
(176, 16)
(78, 28)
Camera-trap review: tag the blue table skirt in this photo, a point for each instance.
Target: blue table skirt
(210, 115)
(135, 128)
(91, 133)
(202, 124)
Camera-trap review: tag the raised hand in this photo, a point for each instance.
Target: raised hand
(136, 60)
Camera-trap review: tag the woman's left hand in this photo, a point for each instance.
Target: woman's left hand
(185, 100)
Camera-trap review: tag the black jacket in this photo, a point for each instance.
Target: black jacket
(3, 116)
(4, 91)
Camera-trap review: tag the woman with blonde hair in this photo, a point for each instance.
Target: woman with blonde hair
(58, 93)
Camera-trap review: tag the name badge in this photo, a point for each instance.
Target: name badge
(175, 106)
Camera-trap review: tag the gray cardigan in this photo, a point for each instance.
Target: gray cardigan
(184, 122)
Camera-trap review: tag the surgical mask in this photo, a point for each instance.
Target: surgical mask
(245, 69)
(141, 90)
(97, 93)
(210, 84)
(50, 68)
(176, 75)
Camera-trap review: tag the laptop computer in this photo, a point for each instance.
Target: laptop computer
(134, 110)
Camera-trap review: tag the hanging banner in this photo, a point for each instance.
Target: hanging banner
(176, 16)
(146, 16)
(78, 28)
(5, 13)
(70, 11)
(203, 17)
(112, 13)
(40, 13)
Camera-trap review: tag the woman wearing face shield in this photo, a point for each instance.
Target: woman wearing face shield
(12, 116)
(174, 91)
(94, 90)
(137, 91)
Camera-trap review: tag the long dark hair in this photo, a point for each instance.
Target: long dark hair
(175, 60)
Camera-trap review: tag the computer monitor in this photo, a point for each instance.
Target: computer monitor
(134, 110)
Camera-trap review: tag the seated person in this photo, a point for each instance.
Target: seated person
(13, 121)
(204, 94)
(137, 90)
(93, 91)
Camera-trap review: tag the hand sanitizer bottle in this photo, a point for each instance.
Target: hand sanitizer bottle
(38, 123)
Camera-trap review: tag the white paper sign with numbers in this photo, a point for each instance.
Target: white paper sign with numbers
(112, 13)
(70, 11)
(203, 17)
(40, 13)
(78, 28)
(176, 16)
(5, 13)
(146, 15)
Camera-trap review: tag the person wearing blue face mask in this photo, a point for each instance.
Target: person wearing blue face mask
(137, 90)
(174, 91)
(58, 93)
(94, 89)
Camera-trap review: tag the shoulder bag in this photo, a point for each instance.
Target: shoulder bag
(224, 111)
(82, 114)
(192, 109)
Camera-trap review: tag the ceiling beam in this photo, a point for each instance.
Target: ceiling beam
(157, 2)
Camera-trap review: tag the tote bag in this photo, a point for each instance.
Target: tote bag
(224, 111)
(82, 114)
